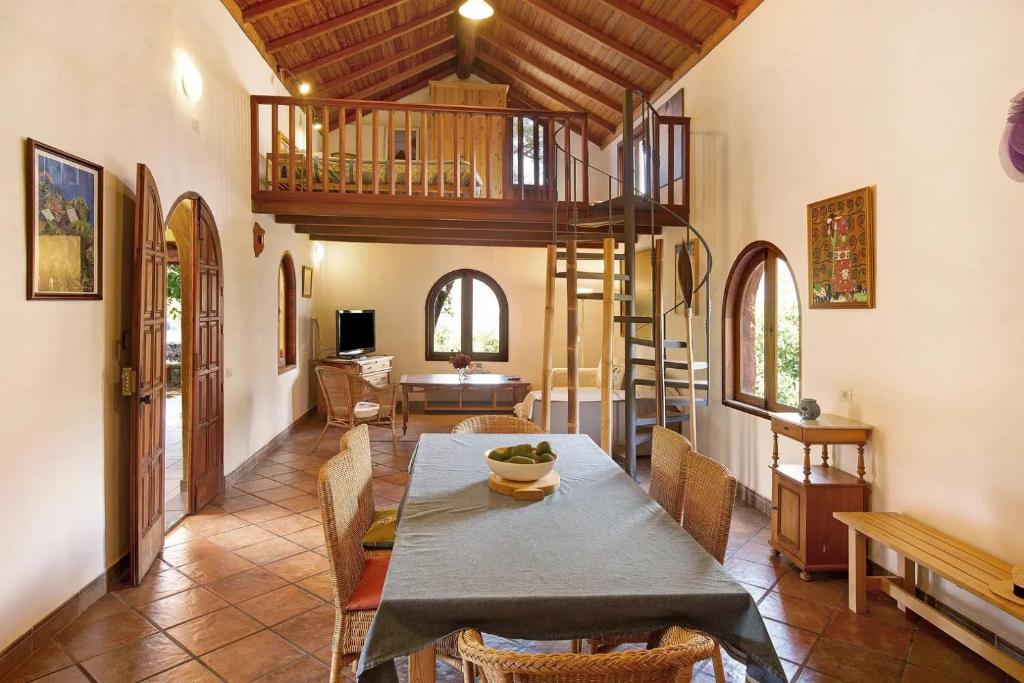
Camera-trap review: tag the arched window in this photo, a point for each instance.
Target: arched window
(762, 332)
(467, 313)
(286, 314)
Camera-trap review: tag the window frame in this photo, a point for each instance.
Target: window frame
(290, 359)
(748, 261)
(467, 275)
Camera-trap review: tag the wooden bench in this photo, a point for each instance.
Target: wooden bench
(921, 546)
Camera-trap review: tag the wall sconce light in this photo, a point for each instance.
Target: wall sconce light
(318, 253)
(190, 78)
(304, 87)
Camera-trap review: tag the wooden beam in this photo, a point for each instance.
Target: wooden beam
(266, 8)
(356, 48)
(465, 36)
(723, 6)
(331, 24)
(368, 93)
(675, 33)
(590, 31)
(373, 67)
(553, 72)
(567, 102)
(428, 241)
(325, 225)
(550, 44)
(538, 235)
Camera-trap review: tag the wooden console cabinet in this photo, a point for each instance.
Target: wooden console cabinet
(804, 497)
(374, 369)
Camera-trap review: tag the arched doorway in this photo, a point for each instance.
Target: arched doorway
(194, 462)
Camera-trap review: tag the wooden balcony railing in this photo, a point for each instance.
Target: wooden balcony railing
(354, 147)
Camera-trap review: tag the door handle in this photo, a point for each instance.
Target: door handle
(147, 399)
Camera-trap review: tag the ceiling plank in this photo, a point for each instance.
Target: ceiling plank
(331, 24)
(503, 71)
(377, 88)
(554, 72)
(587, 30)
(673, 32)
(373, 67)
(373, 41)
(579, 59)
(265, 9)
(406, 91)
(724, 6)
(465, 35)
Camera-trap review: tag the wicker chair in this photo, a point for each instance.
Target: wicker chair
(671, 661)
(708, 495)
(496, 424)
(351, 401)
(345, 486)
(669, 452)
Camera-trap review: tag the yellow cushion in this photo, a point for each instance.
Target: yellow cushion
(381, 533)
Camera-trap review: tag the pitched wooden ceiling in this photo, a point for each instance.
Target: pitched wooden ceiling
(554, 54)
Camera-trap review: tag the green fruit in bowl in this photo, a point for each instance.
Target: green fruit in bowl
(545, 457)
(543, 447)
(521, 460)
(500, 454)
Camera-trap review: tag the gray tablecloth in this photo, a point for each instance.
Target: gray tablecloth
(596, 557)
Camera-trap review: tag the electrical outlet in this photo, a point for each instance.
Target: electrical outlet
(846, 395)
(228, 372)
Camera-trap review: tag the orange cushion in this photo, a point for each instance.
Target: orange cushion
(371, 583)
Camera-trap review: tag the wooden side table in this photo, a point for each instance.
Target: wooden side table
(827, 430)
(805, 498)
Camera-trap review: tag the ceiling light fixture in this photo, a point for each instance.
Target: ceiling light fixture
(476, 9)
(304, 87)
(317, 125)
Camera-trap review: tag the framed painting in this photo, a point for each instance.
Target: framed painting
(693, 248)
(841, 250)
(307, 282)
(64, 225)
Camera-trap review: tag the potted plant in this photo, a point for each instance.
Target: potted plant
(461, 362)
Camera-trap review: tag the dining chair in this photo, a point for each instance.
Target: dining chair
(668, 469)
(345, 487)
(352, 401)
(708, 495)
(671, 660)
(496, 424)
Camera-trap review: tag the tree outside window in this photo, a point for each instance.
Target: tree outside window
(467, 313)
(762, 332)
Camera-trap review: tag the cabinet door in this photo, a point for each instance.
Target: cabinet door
(786, 515)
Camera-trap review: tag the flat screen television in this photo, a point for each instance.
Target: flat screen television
(355, 332)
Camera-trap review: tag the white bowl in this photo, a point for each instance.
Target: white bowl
(514, 471)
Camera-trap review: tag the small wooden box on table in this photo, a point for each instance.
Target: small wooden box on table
(805, 497)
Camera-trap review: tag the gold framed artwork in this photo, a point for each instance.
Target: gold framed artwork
(693, 247)
(841, 250)
(65, 225)
(307, 282)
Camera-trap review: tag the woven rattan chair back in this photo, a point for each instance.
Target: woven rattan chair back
(334, 382)
(707, 503)
(669, 452)
(496, 424)
(670, 662)
(345, 486)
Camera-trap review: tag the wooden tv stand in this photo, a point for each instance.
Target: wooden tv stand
(374, 368)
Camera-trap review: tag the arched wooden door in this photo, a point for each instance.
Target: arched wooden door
(143, 382)
(207, 453)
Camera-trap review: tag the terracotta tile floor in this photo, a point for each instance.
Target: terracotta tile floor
(242, 593)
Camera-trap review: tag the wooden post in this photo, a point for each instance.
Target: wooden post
(375, 151)
(359, 152)
(325, 148)
(607, 332)
(690, 377)
(858, 559)
(275, 151)
(658, 333)
(573, 337)
(291, 147)
(309, 148)
(629, 237)
(342, 157)
(549, 319)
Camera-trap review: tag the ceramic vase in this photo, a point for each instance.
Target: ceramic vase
(809, 409)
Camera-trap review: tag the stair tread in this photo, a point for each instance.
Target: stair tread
(587, 275)
(633, 319)
(674, 364)
(674, 383)
(599, 296)
(669, 419)
(590, 256)
(669, 343)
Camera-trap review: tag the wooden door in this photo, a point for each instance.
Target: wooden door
(207, 459)
(149, 297)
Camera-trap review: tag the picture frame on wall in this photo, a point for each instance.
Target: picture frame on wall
(307, 282)
(64, 226)
(841, 250)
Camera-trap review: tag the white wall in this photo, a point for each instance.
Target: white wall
(98, 80)
(811, 98)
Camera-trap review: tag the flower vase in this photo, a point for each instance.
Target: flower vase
(463, 373)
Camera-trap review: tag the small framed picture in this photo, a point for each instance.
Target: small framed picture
(307, 282)
(64, 225)
(841, 250)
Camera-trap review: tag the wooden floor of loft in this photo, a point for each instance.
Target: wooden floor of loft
(399, 219)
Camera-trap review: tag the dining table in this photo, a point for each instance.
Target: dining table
(596, 557)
